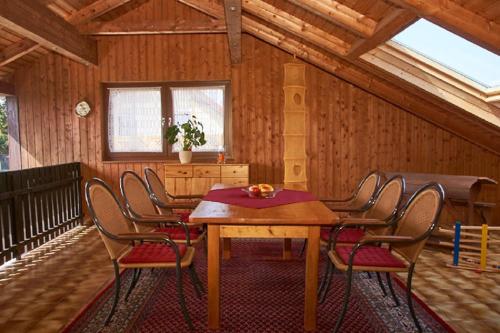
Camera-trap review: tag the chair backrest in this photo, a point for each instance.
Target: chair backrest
(108, 216)
(366, 190)
(136, 197)
(386, 204)
(418, 219)
(156, 189)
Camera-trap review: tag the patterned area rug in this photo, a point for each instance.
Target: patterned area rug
(259, 293)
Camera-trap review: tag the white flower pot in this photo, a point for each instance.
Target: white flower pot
(185, 156)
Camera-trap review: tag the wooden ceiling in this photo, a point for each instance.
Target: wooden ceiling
(331, 34)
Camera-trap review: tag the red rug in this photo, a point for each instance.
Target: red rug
(259, 293)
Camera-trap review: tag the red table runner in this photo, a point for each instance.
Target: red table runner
(235, 196)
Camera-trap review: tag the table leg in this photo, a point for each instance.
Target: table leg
(287, 248)
(213, 277)
(226, 252)
(312, 261)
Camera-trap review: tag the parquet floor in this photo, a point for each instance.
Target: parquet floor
(42, 292)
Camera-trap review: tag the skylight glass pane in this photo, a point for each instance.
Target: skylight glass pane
(452, 51)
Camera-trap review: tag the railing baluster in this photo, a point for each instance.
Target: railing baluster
(36, 205)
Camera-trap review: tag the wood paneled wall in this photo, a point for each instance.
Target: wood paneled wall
(350, 130)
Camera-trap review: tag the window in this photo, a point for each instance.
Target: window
(207, 105)
(135, 117)
(136, 113)
(452, 51)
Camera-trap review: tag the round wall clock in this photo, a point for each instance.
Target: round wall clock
(82, 109)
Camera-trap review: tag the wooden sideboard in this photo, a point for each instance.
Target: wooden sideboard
(198, 178)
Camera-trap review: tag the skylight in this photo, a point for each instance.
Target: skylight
(452, 51)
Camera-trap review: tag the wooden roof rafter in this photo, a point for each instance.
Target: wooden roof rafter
(39, 24)
(341, 15)
(388, 27)
(296, 26)
(94, 10)
(16, 51)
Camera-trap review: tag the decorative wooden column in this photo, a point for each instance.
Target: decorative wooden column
(294, 134)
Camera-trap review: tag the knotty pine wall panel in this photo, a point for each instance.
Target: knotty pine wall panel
(350, 131)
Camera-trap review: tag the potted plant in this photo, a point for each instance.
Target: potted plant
(191, 135)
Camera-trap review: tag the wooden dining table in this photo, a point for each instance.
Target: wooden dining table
(295, 220)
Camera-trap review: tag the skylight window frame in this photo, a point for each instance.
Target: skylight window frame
(411, 39)
(437, 79)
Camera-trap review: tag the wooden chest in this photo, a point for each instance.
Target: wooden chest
(198, 178)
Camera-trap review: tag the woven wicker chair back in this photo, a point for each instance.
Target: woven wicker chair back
(420, 214)
(386, 203)
(108, 213)
(157, 187)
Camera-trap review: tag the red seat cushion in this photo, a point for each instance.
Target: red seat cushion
(347, 235)
(184, 216)
(370, 256)
(179, 232)
(152, 253)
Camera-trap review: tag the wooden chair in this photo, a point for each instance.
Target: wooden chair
(139, 205)
(361, 199)
(415, 224)
(129, 249)
(164, 201)
(379, 219)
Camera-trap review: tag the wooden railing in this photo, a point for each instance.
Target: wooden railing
(36, 205)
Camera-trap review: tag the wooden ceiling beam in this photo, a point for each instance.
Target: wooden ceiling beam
(232, 11)
(94, 10)
(210, 7)
(39, 24)
(296, 26)
(60, 7)
(450, 15)
(154, 28)
(388, 27)
(436, 111)
(16, 51)
(340, 15)
(7, 88)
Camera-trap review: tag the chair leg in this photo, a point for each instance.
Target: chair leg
(303, 247)
(346, 301)
(198, 287)
(133, 283)
(389, 283)
(205, 239)
(325, 275)
(328, 282)
(381, 284)
(117, 292)
(369, 275)
(182, 300)
(410, 300)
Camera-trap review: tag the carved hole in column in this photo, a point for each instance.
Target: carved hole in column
(296, 169)
(297, 99)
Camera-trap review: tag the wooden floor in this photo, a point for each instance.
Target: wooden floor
(42, 292)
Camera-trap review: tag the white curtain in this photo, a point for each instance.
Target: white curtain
(207, 104)
(135, 120)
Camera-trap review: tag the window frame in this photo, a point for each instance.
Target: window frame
(167, 113)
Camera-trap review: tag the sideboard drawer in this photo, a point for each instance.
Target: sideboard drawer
(178, 171)
(206, 171)
(235, 181)
(234, 171)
